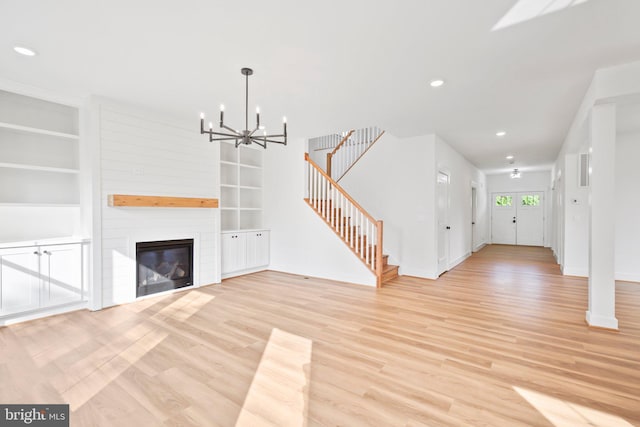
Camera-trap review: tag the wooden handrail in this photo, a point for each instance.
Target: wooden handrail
(341, 143)
(337, 147)
(340, 189)
(360, 156)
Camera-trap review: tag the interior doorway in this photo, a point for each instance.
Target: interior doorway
(518, 218)
(474, 209)
(443, 222)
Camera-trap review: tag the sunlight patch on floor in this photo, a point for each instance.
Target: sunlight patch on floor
(144, 337)
(525, 10)
(279, 392)
(91, 385)
(561, 413)
(184, 307)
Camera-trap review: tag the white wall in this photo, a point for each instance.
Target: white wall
(529, 181)
(146, 154)
(462, 176)
(395, 182)
(301, 242)
(627, 210)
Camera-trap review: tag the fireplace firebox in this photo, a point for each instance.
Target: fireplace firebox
(164, 265)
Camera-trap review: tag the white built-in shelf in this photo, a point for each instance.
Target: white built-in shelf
(249, 166)
(30, 129)
(38, 168)
(241, 187)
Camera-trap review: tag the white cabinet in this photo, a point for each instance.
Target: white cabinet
(19, 280)
(36, 277)
(257, 248)
(244, 252)
(234, 256)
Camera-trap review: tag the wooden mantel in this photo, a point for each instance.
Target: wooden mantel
(117, 200)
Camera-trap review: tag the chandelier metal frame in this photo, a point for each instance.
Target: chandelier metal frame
(245, 137)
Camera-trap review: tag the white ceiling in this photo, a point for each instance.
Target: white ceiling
(333, 65)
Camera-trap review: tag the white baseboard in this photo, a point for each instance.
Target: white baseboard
(578, 272)
(457, 261)
(44, 312)
(480, 246)
(600, 321)
(628, 277)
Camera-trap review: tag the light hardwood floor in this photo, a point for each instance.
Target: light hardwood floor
(499, 340)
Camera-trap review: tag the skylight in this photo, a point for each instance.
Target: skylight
(525, 10)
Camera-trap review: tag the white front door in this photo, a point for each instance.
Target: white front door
(443, 222)
(530, 221)
(518, 218)
(503, 219)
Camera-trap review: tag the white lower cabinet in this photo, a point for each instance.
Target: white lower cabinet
(244, 251)
(35, 277)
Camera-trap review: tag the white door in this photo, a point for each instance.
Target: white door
(530, 221)
(518, 218)
(61, 274)
(234, 252)
(443, 222)
(474, 207)
(19, 280)
(257, 249)
(503, 219)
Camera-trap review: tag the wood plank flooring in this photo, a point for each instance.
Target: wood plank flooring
(499, 340)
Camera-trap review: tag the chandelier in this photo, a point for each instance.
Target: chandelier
(515, 174)
(246, 136)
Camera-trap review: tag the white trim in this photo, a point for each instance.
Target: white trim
(599, 321)
(479, 247)
(44, 312)
(458, 260)
(628, 277)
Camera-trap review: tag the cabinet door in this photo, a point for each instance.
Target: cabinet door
(257, 249)
(19, 280)
(234, 256)
(61, 272)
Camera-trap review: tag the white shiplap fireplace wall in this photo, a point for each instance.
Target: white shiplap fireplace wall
(143, 153)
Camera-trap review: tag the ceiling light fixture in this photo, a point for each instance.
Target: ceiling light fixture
(246, 136)
(436, 83)
(501, 133)
(509, 157)
(24, 51)
(515, 174)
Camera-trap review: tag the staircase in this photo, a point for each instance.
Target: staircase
(356, 227)
(345, 149)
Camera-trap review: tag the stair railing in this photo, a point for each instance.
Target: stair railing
(354, 225)
(350, 149)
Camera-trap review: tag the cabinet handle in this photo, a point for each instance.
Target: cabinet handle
(47, 253)
(37, 253)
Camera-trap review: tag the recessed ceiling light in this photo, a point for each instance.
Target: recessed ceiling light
(509, 157)
(501, 133)
(24, 51)
(436, 83)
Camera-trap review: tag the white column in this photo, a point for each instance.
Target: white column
(602, 285)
